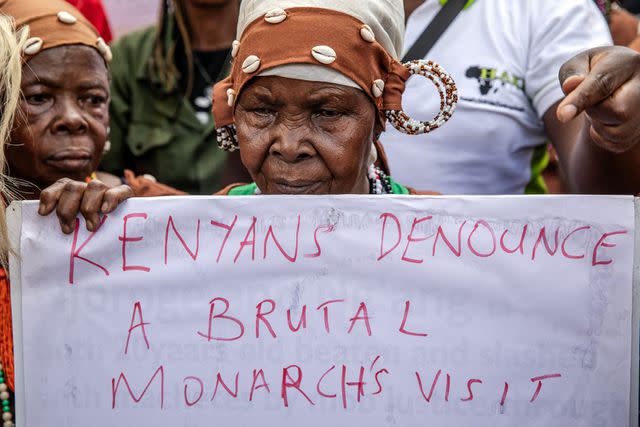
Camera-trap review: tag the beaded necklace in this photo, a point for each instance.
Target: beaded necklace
(7, 416)
(379, 182)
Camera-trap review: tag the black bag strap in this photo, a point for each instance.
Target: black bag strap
(435, 29)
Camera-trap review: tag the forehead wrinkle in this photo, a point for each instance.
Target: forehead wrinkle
(83, 83)
(63, 58)
(256, 91)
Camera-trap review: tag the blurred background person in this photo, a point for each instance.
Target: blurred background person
(161, 123)
(625, 31)
(504, 57)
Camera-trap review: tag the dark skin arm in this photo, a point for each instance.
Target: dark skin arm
(595, 129)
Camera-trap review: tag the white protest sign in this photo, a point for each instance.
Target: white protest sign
(342, 311)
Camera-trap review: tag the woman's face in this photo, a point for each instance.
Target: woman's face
(300, 137)
(61, 128)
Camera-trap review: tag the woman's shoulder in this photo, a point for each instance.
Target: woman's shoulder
(400, 189)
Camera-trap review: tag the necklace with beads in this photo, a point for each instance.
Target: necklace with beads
(7, 416)
(379, 182)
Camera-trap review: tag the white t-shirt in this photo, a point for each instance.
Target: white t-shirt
(504, 56)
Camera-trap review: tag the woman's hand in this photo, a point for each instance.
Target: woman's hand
(68, 197)
(605, 83)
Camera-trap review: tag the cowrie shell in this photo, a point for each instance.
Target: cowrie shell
(104, 49)
(231, 97)
(235, 47)
(251, 64)
(66, 18)
(32, 46)
(107, 55)
(324, 54)
(378, 88)
(275, 16)
(367, 34)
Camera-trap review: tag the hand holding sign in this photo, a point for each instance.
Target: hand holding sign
(68, 197)
(370, 311)
(605, 83)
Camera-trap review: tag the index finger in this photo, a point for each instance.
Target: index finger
(601, 81)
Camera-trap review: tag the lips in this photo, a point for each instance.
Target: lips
(70, 160)
(283, 186)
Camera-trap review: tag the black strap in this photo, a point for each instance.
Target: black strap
(435, 29)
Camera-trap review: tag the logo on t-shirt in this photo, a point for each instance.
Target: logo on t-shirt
(490, 79)
(491, 84)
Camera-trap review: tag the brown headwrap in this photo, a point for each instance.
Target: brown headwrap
(348, 46)
(327, 38)
(53, 23)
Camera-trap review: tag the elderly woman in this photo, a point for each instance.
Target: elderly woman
(313, 84)
(61, 128)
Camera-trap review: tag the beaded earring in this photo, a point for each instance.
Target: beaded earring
(447, 90)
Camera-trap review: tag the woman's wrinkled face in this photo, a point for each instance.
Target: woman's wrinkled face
(300, 137)
(61, 128)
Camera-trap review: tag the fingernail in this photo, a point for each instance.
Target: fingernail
(41, 209)
(90, 225)
(568, 112)
(104, 207)
(66, 229)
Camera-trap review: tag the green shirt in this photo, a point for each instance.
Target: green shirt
(155, 131)
(250, 189)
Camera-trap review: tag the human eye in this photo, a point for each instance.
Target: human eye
(262, 111)
(95, 100)
(98, 99)
(328, 113)
(37, 98)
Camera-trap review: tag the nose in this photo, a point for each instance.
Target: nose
(292, 144)
(70, 119)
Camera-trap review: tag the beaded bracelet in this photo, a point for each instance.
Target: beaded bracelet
(447, 90)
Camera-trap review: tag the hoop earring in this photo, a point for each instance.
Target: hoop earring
(447, 90)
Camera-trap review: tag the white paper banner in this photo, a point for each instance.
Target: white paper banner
(342, 311)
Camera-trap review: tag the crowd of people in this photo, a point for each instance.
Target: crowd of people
(311, 97)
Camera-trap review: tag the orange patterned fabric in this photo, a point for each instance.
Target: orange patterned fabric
(44, 23)
(6, 334)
